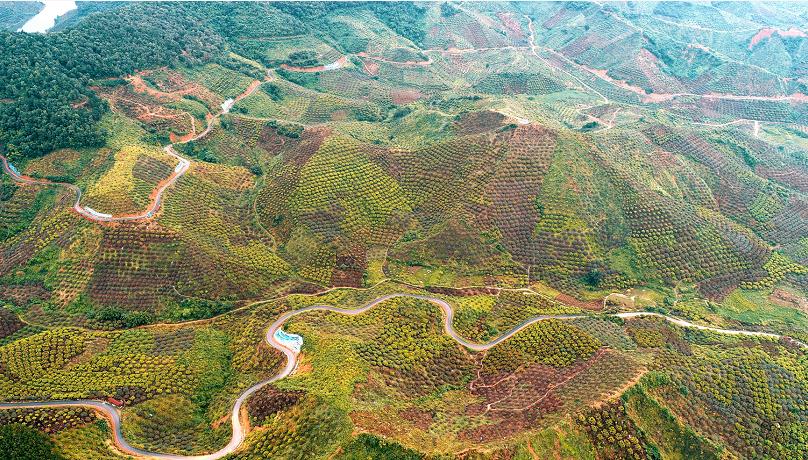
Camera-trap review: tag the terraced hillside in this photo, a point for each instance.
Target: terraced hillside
(582, 227)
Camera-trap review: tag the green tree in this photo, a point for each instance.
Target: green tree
(20, 442)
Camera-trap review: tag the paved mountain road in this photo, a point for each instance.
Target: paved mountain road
(91, 214)
(113, 414)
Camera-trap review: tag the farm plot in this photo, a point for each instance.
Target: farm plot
(165, 113)
(444, 178)
(135, 265)
(173, 85)
(483, 317)
(19, 207)
(515, 186)
(278, 50)
(128, 185)
(509, 83)
(62, 165)
(340, 181)
(223, 82)
(745, 387)
(233, 142)
(352, 84)
(168, 379)
(463, 30)
(762, 110)
(27, 256)
(392, 371)
(225, 255)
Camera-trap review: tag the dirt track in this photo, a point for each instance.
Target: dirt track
(156, 197)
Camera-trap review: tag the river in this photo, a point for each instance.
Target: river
(46, 18)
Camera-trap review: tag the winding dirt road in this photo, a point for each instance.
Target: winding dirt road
(157, 194)
(113, 414)
(91, 214)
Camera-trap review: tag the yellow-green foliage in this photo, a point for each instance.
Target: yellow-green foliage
(485, 317)
(550, 342)
(280, 48)
(613, 432)
(122, 189)
(347, 298)
(307, 430)
(400, 346)
(118, 178)
(514, 306)
(122, 131)
(292, 107)
(204, 209)
(224, 82)
(469, 311)
(340, 176)
(320, 266)
(56, 163)
(165, 423)
(648, 337)
(748, 395)
(335, 368)
(421, 129)
(564, 441)
(257, 256)
(169, 377)
(86, 443)
(69, 363)
(38, 355)
(409, 335)
(778, 267)
(73, 277)
(400, 336)
(765, 206)
(43, 230)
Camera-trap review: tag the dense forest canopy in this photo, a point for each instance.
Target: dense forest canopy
(14, 14)
(44, 79)
(45, 98)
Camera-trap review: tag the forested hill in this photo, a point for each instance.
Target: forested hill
(14, 14)
(45, 79)
(45, 100)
